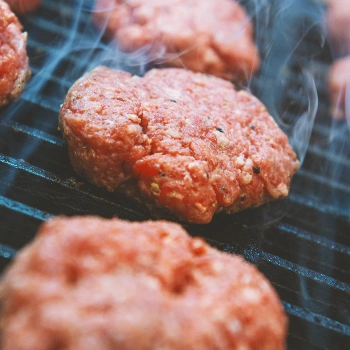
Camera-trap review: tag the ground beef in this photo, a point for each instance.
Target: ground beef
(338, 80)
(14, 66)
(214, 37)
(91, 283)
(178, 140)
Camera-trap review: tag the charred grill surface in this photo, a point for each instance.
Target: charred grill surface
(301, 243)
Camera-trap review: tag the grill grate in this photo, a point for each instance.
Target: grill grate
(301, 243)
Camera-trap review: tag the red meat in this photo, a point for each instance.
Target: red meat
(91, 283)
(174, 139)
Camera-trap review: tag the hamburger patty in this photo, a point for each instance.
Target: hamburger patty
(209, 36)
(14, 66)
(178, 140)
(91, 283)
(23, 6)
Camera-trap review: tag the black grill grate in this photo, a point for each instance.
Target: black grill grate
(302, 243)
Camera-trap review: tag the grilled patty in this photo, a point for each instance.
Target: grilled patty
(209, 36)
(14, 66)
(91, 283)
(174, 139)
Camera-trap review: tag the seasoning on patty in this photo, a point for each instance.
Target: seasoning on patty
(177, 140)
(14, 66)
(209, 36)
(91, 283)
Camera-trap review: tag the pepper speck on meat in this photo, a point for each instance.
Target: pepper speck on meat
(129, 154)
(256, 170)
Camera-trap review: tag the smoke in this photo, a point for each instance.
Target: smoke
(300, 133)
(65, 42)
(280, 31)
(289, 90)
(73, 44)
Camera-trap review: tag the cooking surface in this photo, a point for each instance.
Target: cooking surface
(302, 243)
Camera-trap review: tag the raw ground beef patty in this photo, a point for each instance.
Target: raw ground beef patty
(209, 36)
(178, 140)
(14, 66)
(91, 283)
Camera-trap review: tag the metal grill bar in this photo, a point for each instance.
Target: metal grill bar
(38, 134)
(80, 200)
(23, 209)
(307, 236)
(316, 318)
(302, 271)
(322, 208)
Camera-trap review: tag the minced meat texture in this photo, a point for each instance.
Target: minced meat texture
(174, 139)
(23, 6)
(14, 66)
(89, 283)
(209, 36)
